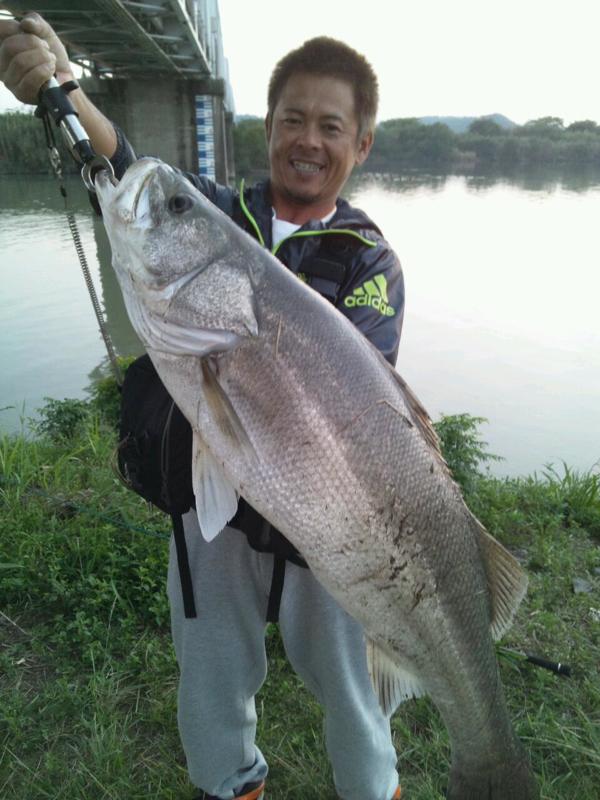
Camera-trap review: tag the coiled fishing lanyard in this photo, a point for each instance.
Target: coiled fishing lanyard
(55, 104)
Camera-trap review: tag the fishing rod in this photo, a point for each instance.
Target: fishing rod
(557, 667)
(54, 102)
(56, 107)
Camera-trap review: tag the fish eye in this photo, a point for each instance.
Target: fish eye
(180, 203)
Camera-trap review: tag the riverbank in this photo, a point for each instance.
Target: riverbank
(87, 671)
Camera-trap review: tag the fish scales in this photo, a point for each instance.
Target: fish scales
(294, 409)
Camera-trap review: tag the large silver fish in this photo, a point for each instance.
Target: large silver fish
(293, 409)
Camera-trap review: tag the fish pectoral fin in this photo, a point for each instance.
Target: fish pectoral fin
(216, 499)
(392, 683)
(223, 412)
(506, 580)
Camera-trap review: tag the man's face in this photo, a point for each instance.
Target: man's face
(313, 145)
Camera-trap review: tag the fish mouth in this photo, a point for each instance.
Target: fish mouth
(102, 179)
(145, 181)
(104, 187)
(126, 198)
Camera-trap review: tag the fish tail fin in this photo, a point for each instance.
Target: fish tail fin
(507, 581)
(512, 779)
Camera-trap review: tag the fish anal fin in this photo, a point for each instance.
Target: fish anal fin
(216, 499)
(392, 683)
(507, 581)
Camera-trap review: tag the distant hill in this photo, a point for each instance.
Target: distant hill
(461, 124)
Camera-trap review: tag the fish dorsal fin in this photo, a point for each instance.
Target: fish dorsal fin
(392, 683)
(419, 416)
(506, 579)
(216, 499)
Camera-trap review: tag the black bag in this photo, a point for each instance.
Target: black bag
(155, 441)
(154, 456)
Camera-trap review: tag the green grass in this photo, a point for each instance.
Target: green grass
(87, 671)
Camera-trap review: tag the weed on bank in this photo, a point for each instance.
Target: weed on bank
(88, 677)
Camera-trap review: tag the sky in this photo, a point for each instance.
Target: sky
(521, 58)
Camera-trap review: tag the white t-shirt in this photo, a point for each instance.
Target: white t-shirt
(282, 228)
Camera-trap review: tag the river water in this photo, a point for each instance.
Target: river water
(502, 316)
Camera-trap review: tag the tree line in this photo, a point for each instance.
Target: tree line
(407, 144)
(23, 145)
(399, 144)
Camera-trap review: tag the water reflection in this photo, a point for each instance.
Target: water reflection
(502, 276)
(125, 340)
(542, 179)
(396, 182)
(501, 318)
(49, 340)
(30, 194)
(538, 180)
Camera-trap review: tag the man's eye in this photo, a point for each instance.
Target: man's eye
(291, 121)
(332, 129)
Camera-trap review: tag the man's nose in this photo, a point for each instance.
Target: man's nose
(310, 136)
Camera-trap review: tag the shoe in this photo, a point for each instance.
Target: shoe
(251, 791)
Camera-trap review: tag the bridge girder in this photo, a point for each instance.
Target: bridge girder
(126, 37)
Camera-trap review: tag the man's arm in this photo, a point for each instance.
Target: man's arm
(30, 54)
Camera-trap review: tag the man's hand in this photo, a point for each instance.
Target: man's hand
(30, 54)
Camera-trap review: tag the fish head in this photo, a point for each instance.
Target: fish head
(182, 266)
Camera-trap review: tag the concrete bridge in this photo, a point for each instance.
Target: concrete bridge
(157, 69)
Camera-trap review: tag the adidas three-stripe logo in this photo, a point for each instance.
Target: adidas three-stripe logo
(372, 293)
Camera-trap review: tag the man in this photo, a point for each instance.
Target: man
(322, 103)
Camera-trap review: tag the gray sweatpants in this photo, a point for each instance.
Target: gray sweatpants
(222, 662)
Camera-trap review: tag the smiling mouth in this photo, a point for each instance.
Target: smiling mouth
(306, 167)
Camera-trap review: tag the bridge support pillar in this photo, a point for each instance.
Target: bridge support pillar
(183, 122)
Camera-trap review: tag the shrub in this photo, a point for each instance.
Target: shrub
(61, 420)
(105, 394)
(462, 448)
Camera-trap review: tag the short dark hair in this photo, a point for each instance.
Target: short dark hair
(326, 56)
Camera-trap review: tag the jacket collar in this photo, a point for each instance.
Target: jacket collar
(259, 202)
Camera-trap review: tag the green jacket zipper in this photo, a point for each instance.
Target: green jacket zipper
(297, 234)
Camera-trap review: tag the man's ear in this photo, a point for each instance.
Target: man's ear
(268, 126)
(364, 147)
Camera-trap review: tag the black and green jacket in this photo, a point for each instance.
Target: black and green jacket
(346, 259)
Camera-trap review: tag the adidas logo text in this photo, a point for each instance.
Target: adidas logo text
(372, 293)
